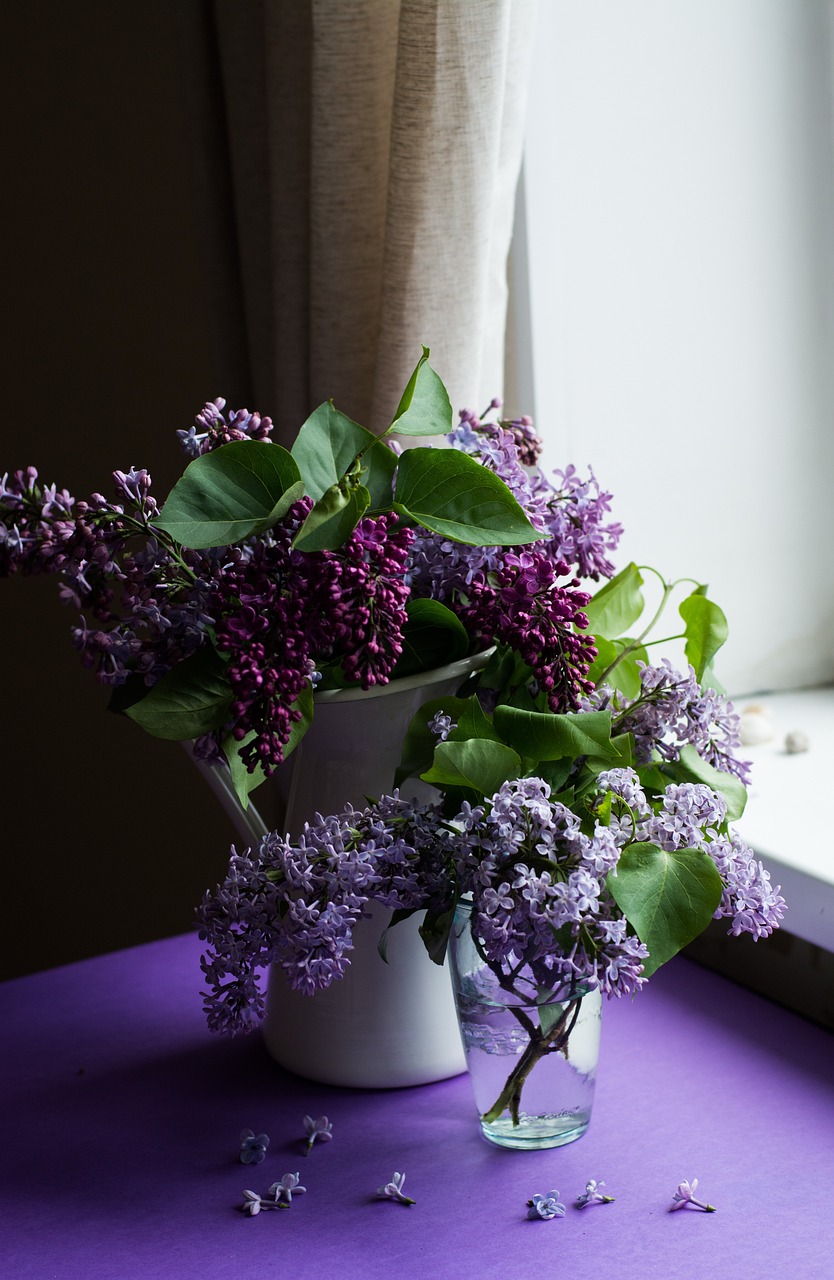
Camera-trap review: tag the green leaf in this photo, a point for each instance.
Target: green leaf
(625, 672)
(333, 518)
(669, 898)
(380, 465)
(546, 736)
(326, 448)
(419, 742)
(125, 695)
(435, 931)
(245, 782)
(617, 605)
(242, 780)
(691, 767)
(554, 772)
(230, 494)
(706, 630)
(478, 764)
(425, 408)
(432, 636)
(450, 493)
(549, 1016)
(191, 699)
(473, 722)
(402, 913)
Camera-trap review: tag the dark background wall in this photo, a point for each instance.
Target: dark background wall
(108, 837)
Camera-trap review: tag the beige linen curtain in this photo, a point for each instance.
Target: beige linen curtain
(357, 164)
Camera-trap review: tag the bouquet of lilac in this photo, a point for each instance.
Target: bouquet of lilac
(586, 796)
(268, 572)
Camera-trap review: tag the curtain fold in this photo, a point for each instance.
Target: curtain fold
(368, 153)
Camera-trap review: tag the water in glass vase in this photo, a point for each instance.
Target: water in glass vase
(552, 1087)
(531, 1050)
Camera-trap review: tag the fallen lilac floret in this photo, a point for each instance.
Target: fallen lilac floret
(393, 1190)
(283, 1191)
(592, 1194)
(252, 1146)
(685, 1195)
(321, 1129)
(547, 1206)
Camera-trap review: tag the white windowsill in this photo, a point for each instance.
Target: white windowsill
(787, 820)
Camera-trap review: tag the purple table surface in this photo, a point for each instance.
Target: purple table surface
(122, 1113)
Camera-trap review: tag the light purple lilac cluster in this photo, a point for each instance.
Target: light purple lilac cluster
(297, 904)
(539, 902)
(540, 905)
(671, 711)
(692, 816)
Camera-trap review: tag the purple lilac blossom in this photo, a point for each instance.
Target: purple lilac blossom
(524, 606)
(441, 725)
(211, 429)
(280, 612)
(576, 521)
(672, 711)
(693, 816)
(297, 904)
(537, 881)
(513, 596)
(533, 874)
(545, 1206)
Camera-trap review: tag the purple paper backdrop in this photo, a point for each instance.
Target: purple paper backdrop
(121, 1120)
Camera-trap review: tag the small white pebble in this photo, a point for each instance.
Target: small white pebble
(756, 726)
(796, 741)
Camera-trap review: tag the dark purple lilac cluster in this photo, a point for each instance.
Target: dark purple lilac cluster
(211, 429)
(514, 597)
(146, 603)
(280, 613)
(369, 597)
(267, 604)
(524, 606)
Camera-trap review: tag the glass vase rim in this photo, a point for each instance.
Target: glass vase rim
(560, 992)
(450, 671)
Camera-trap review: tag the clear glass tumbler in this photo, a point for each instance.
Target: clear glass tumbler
(532, 1060)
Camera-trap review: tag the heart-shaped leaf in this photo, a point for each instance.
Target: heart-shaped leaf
(419, 741)
(432, 637)
(238, 490)
(706, 630)
(450, 493)
(542, 735)
(326, 448)
(691, 767)
(617, 605)
(478, 764)
(425, 408)
(669, 898)
(191, 699)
